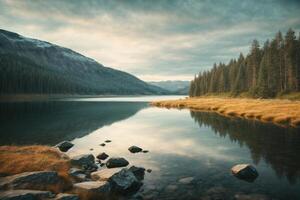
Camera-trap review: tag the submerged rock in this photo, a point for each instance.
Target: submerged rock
(64, 146)
(94, 189)
(83, 161)
(135, 149)
(250, 197)
(116, 162)
(245, 172)
(107, 141)
(124, 182)
(39, 180)
(102, 156)
(104, 174)
(103, 144)
(186, 180)
(139, 172)
(25, 195)
(64, 196)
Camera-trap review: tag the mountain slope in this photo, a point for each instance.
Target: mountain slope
(33, 66)
(176, 87)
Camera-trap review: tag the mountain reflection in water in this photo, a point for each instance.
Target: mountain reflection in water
(50, 122)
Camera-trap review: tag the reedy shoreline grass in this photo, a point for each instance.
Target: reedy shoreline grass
(280, 112)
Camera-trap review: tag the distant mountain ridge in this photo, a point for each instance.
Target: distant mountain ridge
(176, 87)
(33, 66)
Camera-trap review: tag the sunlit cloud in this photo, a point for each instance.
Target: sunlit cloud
(154, 40)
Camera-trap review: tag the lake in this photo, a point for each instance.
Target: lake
(201, 147)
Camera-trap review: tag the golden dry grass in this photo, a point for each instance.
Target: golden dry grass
(18, 159)
(281, 112)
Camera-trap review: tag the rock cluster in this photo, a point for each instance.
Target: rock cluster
(87, 181)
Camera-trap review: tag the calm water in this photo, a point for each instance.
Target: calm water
(181, 143)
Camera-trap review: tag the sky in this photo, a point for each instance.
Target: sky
(152, 39)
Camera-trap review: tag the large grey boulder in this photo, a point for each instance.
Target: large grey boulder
(124, 182)
(92, 189)
(25, 195)
(39, 180)
(116, 162)
(64, 196)
(104, 174)
(64, 146)
(135, 149)
(139, 172)
(245, 172)
(86, 161)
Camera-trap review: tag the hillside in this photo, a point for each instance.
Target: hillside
(30, 66)
(176, 87)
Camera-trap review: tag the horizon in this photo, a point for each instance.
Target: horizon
(157, 41)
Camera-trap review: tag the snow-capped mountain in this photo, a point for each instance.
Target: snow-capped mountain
(33, 66)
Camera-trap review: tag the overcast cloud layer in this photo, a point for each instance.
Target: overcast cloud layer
(152, 39)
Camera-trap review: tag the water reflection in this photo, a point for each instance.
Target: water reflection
(53, 121)
(278, 146)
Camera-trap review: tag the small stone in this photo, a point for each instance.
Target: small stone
(171, 187)
(245, 172)
(107, 141)
(102, 164)
(102, 156)
(91, 149)
(149, 170)
(116, 162)
(64, 146)
(145, 151)
(103, 144)
(64, 196)
(186, 180)
(135, 149)
(250, 197)
(78, 174)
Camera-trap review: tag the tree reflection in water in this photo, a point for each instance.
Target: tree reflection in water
(278, 146)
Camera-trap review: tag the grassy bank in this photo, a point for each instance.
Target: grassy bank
(18, 159)
(281, 112)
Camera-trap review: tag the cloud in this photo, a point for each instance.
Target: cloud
(159, 39)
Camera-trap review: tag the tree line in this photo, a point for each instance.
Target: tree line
(265, 72)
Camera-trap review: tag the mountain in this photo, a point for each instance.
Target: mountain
(31, 66)
(176, 87)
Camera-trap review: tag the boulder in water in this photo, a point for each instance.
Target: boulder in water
(245, 172)
(116, 162)
(135, 149)
(64, 146)
(83, 161)
(124, 182)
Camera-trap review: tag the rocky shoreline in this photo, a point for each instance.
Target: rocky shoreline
(90, 177)
(84, 180)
